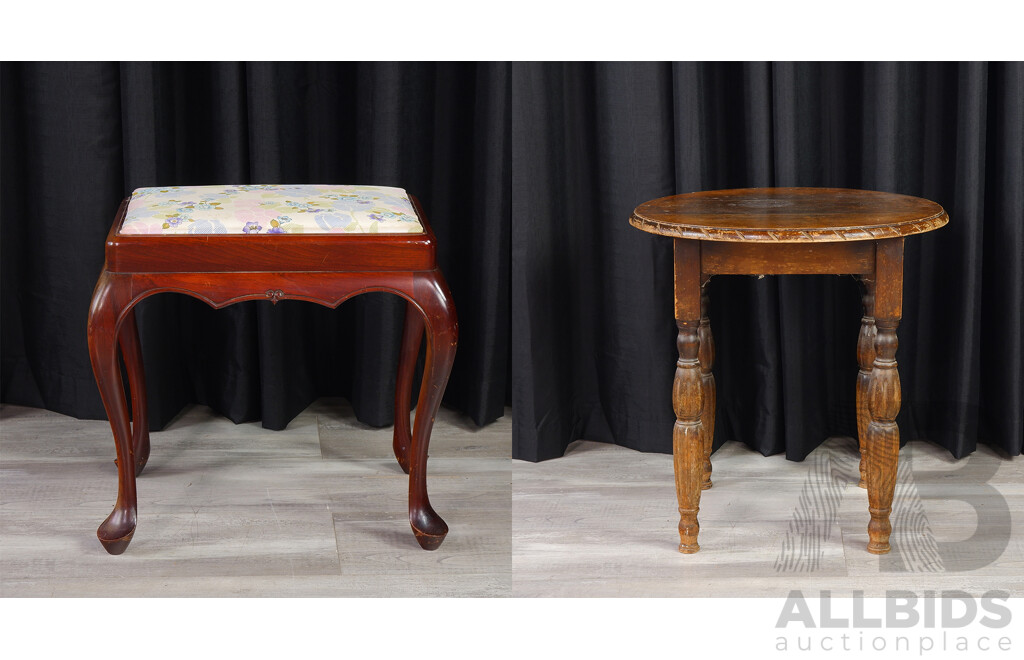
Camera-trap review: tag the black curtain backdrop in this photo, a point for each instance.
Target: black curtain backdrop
(76, 138)
(528, 173)
(593, 332)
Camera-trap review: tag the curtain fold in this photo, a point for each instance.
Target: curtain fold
(528, 173)
(593, 333)
(78, 137)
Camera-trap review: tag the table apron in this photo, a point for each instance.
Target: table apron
(725, 258)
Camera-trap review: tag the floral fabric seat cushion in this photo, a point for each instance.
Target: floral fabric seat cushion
(270, 209)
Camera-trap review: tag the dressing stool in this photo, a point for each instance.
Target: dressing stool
(230, 243)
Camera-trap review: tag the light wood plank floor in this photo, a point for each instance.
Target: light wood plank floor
(601, 521)
(316, 510)
(319, 510)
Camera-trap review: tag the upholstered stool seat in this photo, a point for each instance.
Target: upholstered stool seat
(271, 209)
(228, 243)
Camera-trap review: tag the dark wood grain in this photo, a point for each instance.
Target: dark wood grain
(706, 354)
(225, 269)
(884, 396)
(787, 258)
(688, 396)
(865, 362)
(788, 231)
(788, 215)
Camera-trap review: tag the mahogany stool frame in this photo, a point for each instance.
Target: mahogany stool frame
(220, 270)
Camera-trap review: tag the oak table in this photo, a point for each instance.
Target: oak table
(776, 231)
(226, 244)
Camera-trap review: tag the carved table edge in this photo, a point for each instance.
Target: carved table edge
(831, 235)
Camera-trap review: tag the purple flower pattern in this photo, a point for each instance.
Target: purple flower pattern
(270, 209)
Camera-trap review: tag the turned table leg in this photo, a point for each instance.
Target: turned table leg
(883, 435)
(438, 311)
(688, 434)
(706, 355)
(412, 334)
(865, 360)
(115, 533)
(688, 394)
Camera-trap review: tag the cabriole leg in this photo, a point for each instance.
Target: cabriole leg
(131, 350)
(412, 334)
(115, 533)
(442, 337)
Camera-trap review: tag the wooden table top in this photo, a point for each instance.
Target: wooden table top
(788, 215)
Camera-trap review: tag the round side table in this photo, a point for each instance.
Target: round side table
(783, 231)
